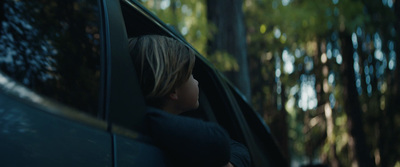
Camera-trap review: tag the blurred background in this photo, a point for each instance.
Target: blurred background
(324, 74)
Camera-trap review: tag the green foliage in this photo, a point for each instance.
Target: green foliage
(188, 17)
(224, 61)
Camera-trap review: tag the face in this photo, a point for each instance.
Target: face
(188, 95)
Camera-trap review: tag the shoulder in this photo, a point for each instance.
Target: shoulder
(160, 119)
(190, 128)
(189, 139)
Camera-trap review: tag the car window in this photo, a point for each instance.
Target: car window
(138, 22)
(53, 48)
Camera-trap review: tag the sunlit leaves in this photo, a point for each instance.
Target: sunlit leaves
(188, 17)
(263, 28)
(224, 61)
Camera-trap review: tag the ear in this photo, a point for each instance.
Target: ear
(173, 95)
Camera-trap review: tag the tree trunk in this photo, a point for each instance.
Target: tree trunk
(352, 105)
(228, 18)
(388, 138)
(174, 8)
(279, 125)
(396, 82)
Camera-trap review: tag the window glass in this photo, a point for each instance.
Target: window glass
(53, 48)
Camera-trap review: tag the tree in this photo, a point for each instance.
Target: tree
(353, 107)
(229, 40)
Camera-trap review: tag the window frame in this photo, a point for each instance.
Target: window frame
(124, 103)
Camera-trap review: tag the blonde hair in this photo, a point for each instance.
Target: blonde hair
(162, 64)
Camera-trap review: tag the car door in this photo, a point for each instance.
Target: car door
(51, 91)
(267, 147)
(124, 104)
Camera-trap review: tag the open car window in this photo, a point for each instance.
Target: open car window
(216, 105)
(138, 23)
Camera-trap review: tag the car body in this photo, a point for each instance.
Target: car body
(69, 94)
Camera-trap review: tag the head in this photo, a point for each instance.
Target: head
(164, 68)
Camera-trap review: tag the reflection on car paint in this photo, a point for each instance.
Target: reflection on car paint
(14, 121)
(10, 86)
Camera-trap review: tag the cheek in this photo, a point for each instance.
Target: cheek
(194, 96)
(189, 96)
(197, 96)
(196, 91)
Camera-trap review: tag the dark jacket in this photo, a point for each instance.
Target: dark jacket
(192, 142)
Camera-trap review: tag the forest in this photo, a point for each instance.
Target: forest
(324, 75)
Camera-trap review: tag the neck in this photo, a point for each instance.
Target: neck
(171, 109)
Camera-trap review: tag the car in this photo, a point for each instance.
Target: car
(69, 94)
